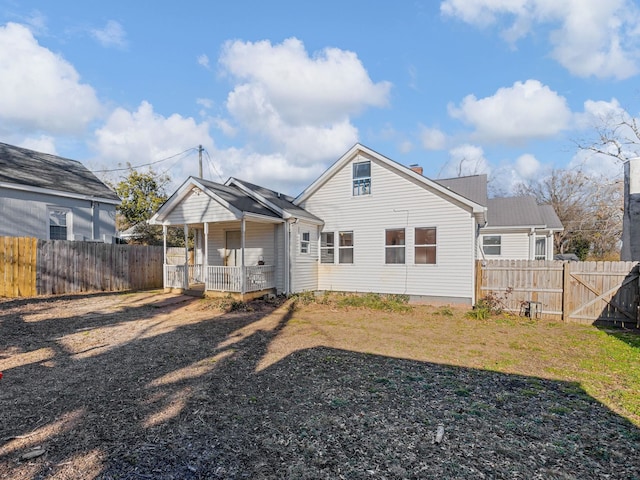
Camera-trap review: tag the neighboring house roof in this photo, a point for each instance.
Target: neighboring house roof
(25, 169)
(239, 197)
(551, 217)
(473, 187)
(361, 149)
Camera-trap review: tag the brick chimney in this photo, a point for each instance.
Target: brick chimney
(416, 168)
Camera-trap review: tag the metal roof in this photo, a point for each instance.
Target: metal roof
(28, 168)
(473, 187)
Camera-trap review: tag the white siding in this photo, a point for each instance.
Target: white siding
(198, 208)
(304, 271)
(396, 201)
(514, 246)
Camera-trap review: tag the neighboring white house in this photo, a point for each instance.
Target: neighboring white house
(49, 197)
(367, 224)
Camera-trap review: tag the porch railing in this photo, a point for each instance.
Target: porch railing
(222, 279)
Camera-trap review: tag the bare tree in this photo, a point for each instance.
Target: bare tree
(589, 208)
(617, 135)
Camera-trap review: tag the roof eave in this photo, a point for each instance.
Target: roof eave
(59, 193)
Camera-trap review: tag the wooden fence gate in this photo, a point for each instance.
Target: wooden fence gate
(583, 292)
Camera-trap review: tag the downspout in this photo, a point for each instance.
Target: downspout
(287, 260)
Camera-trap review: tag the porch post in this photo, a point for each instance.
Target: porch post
(242, 235)
(205, 263)
(186, 256)
(164, 256)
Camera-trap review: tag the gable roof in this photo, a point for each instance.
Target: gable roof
(392, 165)
(29, 170)
(237, 196)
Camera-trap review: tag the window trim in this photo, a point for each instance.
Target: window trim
(305, 245)
(326, 247)
(498, 245)
(360, 185)
(417, 245)
(68, 213)
(342, 248)
(395, 247)
(535, 248)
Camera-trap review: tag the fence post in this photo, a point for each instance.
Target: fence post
(566, 291)
(478, 291)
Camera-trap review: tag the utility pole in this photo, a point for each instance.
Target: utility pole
(200, 160)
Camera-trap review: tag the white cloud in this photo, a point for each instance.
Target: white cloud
(524, 111)
(432, 138)
(43, 143)
(111, 35)
(295, 108)
(593, 37)
(527, 166)
(144, 136)
(465, 160)
(203, 61)
(325, 87)
(596, 164)
(40, 91)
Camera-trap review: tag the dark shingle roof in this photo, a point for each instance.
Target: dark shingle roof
(474, 187)
(285, 202)
(237, 198)
(29, 168)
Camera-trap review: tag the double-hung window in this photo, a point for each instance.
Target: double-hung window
(327, 247)
(361, 178)
(394, 251)
(491, 244)
(541, 248)
(345, 247)
(425, 246)
(59, 223)
(305, 240)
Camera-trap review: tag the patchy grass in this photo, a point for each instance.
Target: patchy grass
(150, 386)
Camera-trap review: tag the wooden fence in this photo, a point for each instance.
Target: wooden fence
(583, 292)
(30, 267)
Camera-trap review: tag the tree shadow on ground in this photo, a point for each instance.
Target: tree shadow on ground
(190, 402)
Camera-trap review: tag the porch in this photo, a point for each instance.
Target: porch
(241, 282)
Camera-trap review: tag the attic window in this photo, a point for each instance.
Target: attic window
(361, 178)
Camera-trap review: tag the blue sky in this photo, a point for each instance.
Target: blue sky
(277, 91)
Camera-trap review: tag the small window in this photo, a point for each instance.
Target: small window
(394, 246)
(59, 224)
(327, 251)
(491, 244)
(361, 178)
(345, 248)
(304, 242)
(541, 248)
(425, 246)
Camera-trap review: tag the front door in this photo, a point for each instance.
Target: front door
(232, 256)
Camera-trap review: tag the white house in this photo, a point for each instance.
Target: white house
(53, 198)
(367, 224)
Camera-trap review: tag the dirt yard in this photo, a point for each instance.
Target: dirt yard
(149, 386)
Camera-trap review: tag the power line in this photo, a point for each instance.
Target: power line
(146, 164)
(212, 164)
